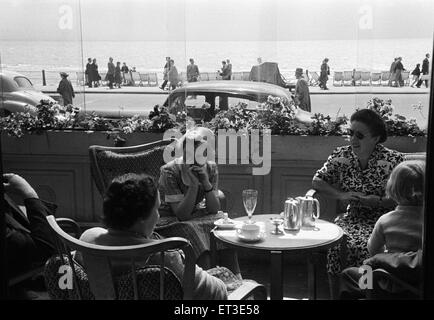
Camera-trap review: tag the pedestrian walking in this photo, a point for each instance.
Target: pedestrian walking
(110, 72)
(392, 75)
(165, 73)
(65, 89)
(192, 71)
(416, 74)
(302, 95)
(118, 75)
(325, 72)
(88, 73)
(425, 70)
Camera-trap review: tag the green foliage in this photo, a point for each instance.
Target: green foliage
(397, 125)
(277, 115)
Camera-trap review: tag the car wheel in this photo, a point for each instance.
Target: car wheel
(4, 113)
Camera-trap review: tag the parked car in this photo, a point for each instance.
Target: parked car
(17, 94)
(203, 99)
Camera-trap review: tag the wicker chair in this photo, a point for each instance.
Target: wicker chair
(96, 279)
(110, 162)
(69, 226)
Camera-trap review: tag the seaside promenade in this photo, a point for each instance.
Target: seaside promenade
(129, 101)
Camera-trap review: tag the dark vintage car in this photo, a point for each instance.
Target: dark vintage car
(17, 94)
(219, 95)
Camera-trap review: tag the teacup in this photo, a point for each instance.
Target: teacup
(249, 231)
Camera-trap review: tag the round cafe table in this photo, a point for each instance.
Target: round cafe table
(306, 242)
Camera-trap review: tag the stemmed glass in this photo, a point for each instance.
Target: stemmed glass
(250, 197)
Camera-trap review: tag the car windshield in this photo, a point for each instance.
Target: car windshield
(218, 100)
(23, 83)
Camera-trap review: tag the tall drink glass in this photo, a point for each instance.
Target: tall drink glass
(250, 198)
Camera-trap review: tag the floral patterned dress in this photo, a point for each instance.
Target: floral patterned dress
(343, 171)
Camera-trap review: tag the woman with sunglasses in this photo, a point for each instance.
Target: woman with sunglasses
(357, 175)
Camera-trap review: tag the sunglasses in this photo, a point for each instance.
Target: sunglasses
(358, 134)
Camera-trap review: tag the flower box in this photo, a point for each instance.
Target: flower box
(57, 164)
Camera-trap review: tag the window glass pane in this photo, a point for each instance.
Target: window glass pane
(23, 82)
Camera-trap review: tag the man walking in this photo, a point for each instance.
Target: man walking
(192, 71)
(88, 72)
(425, 71)
(392, 75)
(111, 72)
(229, 67)
(166, 73)
(65, 89)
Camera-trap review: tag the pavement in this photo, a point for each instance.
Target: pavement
(129, 101)
(51, 89)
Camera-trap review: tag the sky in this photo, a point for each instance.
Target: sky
(214, 20)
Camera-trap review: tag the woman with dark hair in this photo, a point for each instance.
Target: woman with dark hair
(357, 175)
(130, 210)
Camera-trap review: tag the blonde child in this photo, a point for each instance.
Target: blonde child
(401, 230)
(398, 231)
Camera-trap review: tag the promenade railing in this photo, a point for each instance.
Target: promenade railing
(151, 79)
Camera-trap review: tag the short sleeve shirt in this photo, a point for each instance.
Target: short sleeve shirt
(343, 171)
(173, 188)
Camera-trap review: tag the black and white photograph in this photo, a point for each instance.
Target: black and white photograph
(197, 151)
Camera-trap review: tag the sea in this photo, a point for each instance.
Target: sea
(30, 57)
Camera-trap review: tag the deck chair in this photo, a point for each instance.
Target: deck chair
(406, 77)
(246, 76)
(127, 78)
(365, 78)
(376, 78)
(96, 279)
(424, 77)
(357, 77)
(182, 78)
(385, 76)
(81, 79)
(153, 79)
(109, 162)
(204, 76)
(144, 79)
(135, 77)
(214, 76)
(314, 78)
(237, 76)
(338, 78)
(348, 78)
(103, 80)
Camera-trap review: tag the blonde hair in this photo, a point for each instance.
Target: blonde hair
(406, 183)
(195, 136)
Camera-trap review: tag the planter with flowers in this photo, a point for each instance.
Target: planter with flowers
(51, 148)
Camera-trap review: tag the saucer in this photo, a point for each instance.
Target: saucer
(259, 237)
(222, 224)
